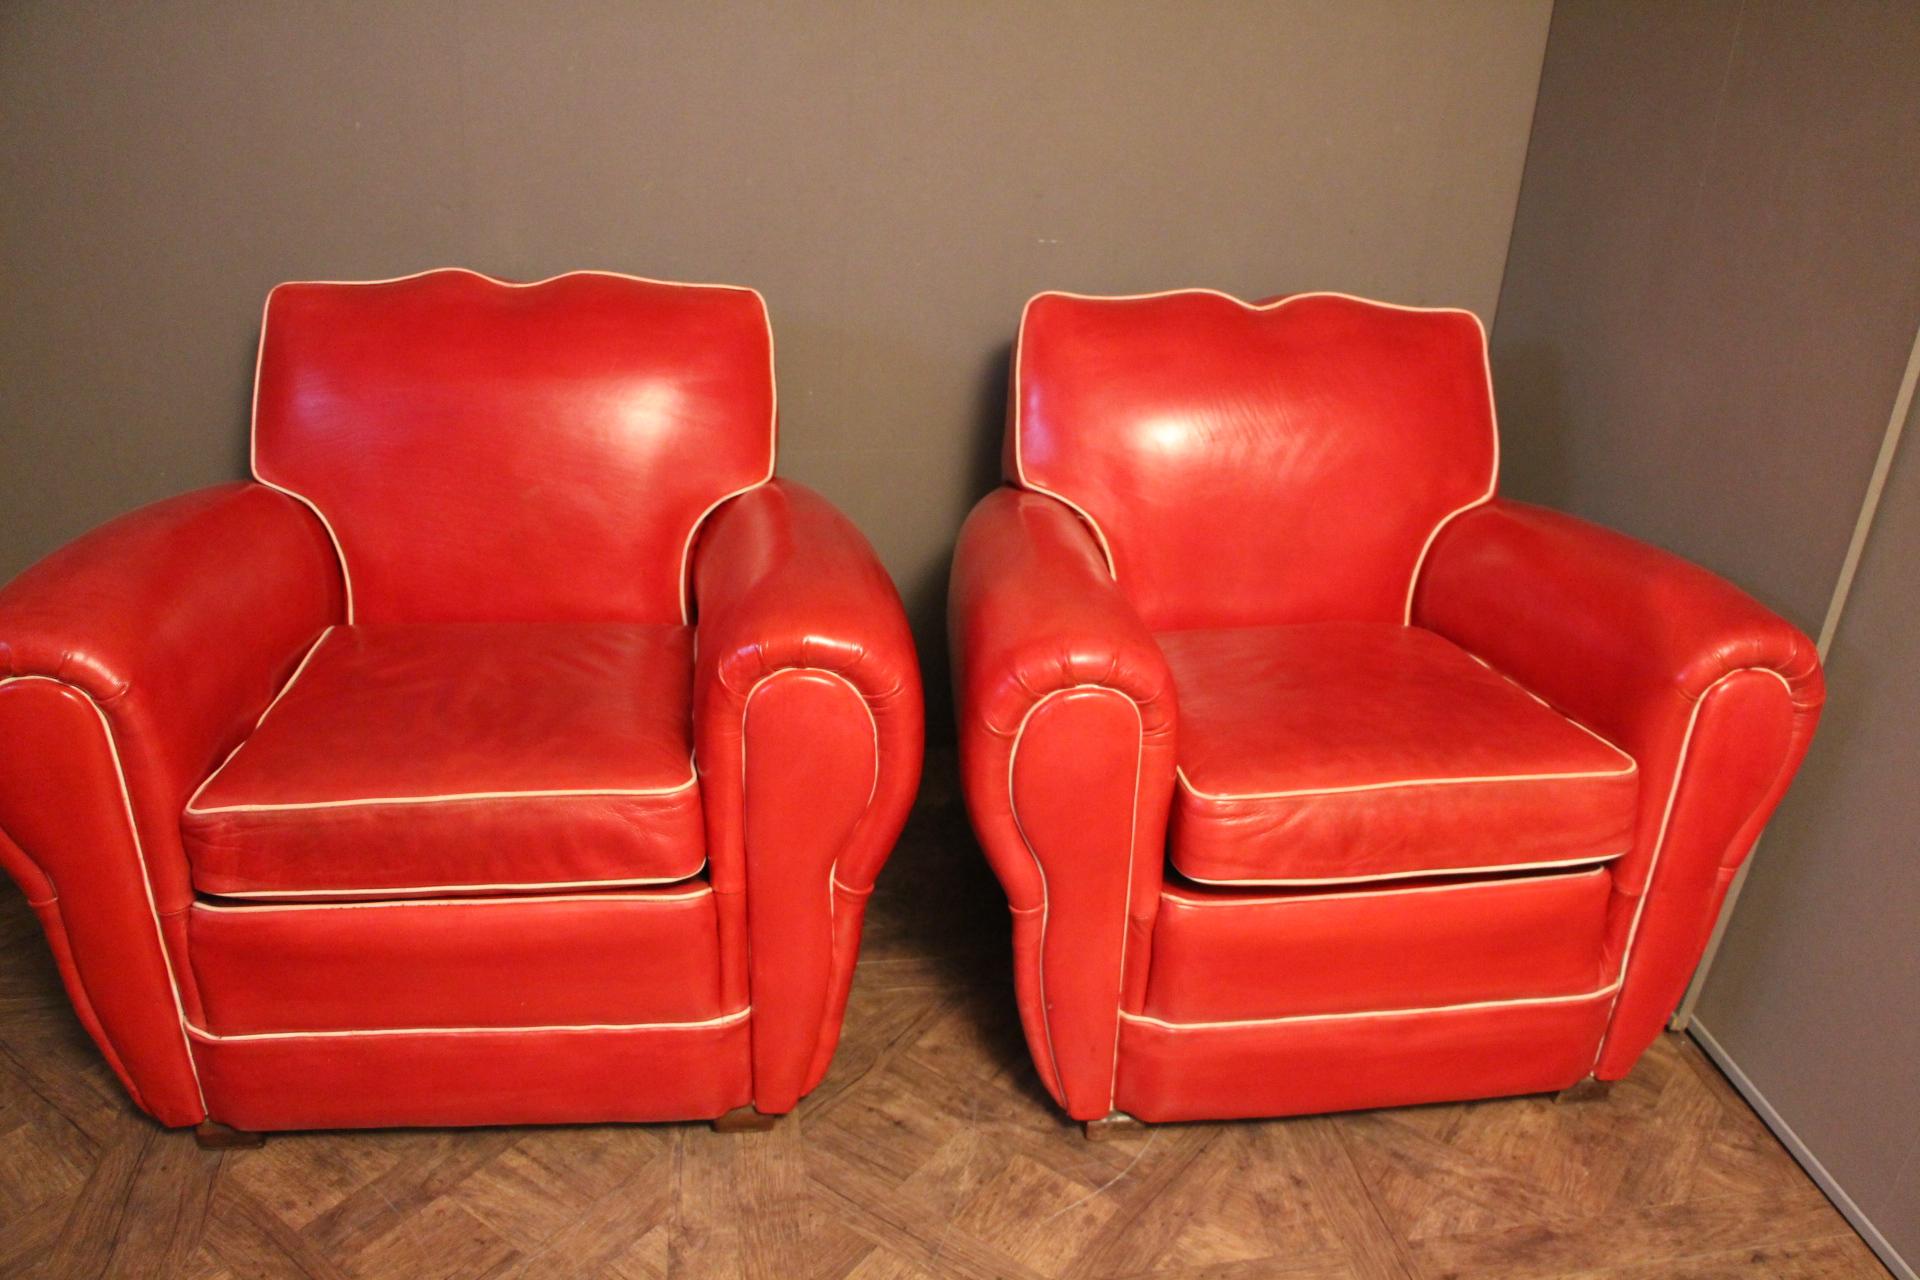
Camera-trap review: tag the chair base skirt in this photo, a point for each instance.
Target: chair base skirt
(482, 1077)
(1306, 1066)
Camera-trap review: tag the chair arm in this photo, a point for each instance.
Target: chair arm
(1712, 694)
(130, 661)
(808, 726)
(1066, 717)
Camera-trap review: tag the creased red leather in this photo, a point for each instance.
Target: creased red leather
(622, 957)
(1364, 750)
(489, 452)
(504, 757)
(1355, 949)
(1672, 664)
(1253, 465)
(1066, 716)
(808, 721)
(143, 650)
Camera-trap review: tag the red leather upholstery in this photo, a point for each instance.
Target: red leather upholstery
(1341, 751)
(523, 476)
(1303, 452)
(1252, 573)
(477, 448)
(461, 759)
(808, 724)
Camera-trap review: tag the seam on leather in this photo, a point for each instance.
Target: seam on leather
(1660, 840)
(1398, 784)
(1597, 859)
(1576, 998)
(686, 550)
(623, 882)
(241, 907)
(1133, 833)
(214, 1037)
(146, 878)
(1596, 735)
(1170, 895)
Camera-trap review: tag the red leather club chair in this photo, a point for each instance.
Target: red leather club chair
(1318, 775)
(514, 750)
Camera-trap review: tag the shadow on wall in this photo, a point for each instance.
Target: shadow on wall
(1536, 463)
(925, 593)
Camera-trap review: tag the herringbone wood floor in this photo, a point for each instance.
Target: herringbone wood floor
(929, 1151)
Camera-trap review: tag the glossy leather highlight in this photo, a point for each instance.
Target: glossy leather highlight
(1261, 542)
(487, 452)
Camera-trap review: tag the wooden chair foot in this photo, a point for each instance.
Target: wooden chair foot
(1114, 1124)
(214, 1136)
(744, 1120)
(1588, 1090)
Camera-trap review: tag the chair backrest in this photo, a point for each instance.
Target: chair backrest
(483, 451)
(1251, 464)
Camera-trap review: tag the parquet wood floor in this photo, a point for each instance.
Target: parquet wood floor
(929, 1151)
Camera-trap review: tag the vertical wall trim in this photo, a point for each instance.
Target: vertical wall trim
(1842, 587)
(1808, 1161)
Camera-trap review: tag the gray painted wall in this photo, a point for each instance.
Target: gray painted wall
(896, 178)
(1712, 290)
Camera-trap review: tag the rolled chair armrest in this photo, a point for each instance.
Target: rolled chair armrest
(1066, 717)
(131, 661)
(1714, 696)
(808, 725)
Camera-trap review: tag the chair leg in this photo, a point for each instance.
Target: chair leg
(214, 1136)
(1587, 1090)
(744, 1120)
(1115, 1124)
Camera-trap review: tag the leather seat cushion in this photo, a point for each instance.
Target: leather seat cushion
(1335, 752)
(461, 759)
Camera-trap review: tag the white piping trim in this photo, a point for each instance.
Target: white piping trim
(1169, 895)
(453, 797)
(262, 719)
(201, 1033)
(241, 908)
(1632, 764)
(686, 551)
(1660, 840)
(1493, 417)
(1371, 1013)
(621, 882)
(1409, 875)
(140, 856)
(1133, 834)
(1398, 784)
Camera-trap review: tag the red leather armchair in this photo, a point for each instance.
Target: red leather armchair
(1319, 776)
(514, 749)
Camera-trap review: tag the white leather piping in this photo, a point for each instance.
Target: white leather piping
(425, 889)
(212, 1037)
(194, 807)
(1632, 764)
(1422, 872)
(1398, 784)
(686, 550)
(1133, 835)
(1301, 899)
(140, 856)
(1660, 840)
(833, 868)
(241, 908)
(1106, 548)
(1576, 998)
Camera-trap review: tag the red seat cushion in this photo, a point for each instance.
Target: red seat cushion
(454, 759)
(1364, 751)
